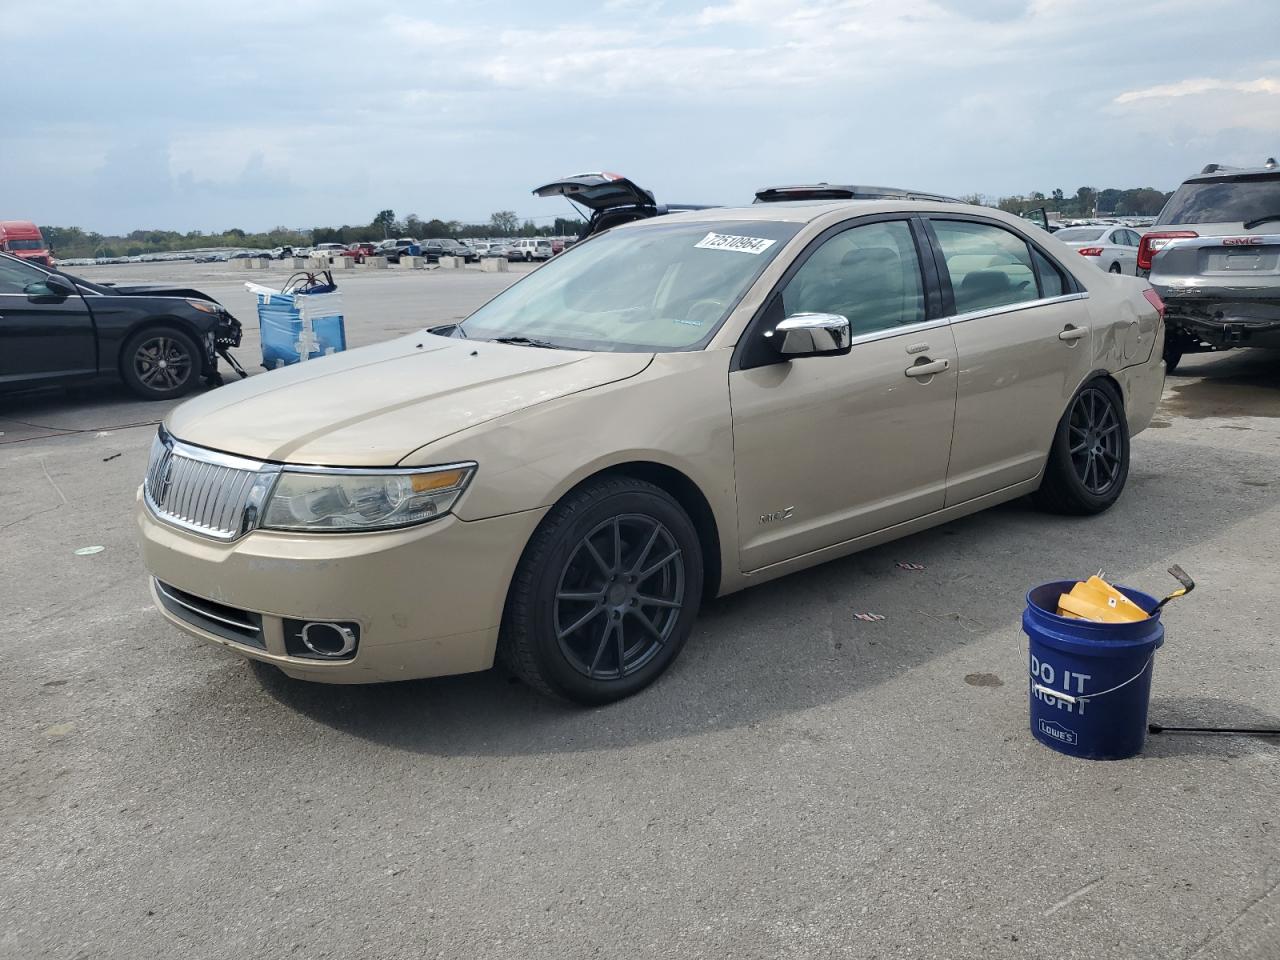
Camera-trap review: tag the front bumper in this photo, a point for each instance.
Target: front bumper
(428, 599)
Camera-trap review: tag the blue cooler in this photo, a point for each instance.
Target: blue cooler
(299, 325)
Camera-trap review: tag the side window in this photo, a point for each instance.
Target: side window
(988, 265)
(1052, 282)
(870, 274)
(1134, 239)
(14, 277)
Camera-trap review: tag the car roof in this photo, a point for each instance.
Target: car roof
(805, 211)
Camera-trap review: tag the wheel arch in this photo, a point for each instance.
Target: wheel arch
(150, 323)
(691, 499)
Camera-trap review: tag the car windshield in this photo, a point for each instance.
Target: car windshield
(1226, 201)
(1077, 234)
(24, 245)
(653, 287)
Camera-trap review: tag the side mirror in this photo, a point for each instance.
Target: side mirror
(812, 335)
(51, 286)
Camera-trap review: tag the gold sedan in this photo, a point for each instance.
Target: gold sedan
(675, 409)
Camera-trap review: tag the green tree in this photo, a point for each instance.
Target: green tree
(385, 221)
(504, 223)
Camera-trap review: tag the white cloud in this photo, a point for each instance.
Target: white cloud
(1200, 85)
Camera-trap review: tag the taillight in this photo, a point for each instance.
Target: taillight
(1090, 251)
(1153, 298)
(1153, 243)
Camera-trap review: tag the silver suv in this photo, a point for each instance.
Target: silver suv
(1214, 256)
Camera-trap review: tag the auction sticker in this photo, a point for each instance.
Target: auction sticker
(728, 241)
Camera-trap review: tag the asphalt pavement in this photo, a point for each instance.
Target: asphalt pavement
(800, 784)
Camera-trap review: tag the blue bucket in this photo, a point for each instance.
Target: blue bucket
(1089, 682)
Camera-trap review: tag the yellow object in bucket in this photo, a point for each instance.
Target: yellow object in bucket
(1095, 599)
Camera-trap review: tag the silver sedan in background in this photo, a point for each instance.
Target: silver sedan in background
(1114, 249)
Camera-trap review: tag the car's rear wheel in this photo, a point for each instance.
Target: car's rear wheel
(160, 363)
(605, 594)
(1173, 350)
(1114, 268)
(1089, 460)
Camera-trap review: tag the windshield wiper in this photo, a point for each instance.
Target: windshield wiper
(528, 342)
(1261, 220)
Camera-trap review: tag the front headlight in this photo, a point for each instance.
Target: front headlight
(319, 500)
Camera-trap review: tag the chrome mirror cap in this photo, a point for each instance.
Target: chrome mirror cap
(812, 335)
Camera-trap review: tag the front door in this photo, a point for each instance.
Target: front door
(827, 449)
(1024, 341)
(42, 336)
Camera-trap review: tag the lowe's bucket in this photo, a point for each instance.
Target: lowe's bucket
(1090, 682)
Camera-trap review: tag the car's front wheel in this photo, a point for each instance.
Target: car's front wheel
(160, 363)
(605, 594)
(1089, 460)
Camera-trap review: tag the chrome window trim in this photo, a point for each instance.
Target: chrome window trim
(890, 332)
(239, 625)
(1015, 307)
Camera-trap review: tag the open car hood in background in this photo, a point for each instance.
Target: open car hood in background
(598, 191)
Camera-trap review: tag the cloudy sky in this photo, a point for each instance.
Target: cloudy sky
(253, 113)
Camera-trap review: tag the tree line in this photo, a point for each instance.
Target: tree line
(1086, 202)
(74, 242)
(69, 242)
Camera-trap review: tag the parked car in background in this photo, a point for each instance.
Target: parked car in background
(329, 250)
(492, 250)
(1214, 256)
(393, 250)
(23, 239)
(1114, 249)
(57, 329)
(676, 410)
(532, 248)
(358, 251)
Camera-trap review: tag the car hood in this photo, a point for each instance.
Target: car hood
(376, 405)
(154, 290)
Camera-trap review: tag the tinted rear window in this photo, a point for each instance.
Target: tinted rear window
(1078, 234)
(1226, 201)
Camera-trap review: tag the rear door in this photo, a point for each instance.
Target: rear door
(1022, 333)
(42, 336)
(828, 449)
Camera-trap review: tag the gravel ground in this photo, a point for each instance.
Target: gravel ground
(801, 784)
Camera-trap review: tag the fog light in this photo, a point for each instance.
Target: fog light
(321, 639)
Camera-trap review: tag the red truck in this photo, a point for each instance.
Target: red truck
(22, 239)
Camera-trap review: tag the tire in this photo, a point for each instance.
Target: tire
(1173, 350)
(527, 256)
(576, 625)
(161, 363)
(1092, 438)
(1114, 268)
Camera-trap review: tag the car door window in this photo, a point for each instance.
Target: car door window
(14, 277)
(1052, 282)
(869, 274)
(988, 265)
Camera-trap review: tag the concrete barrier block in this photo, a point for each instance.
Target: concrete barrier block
(317, 263)
(375, 263)
(451, 263)
(344, 263)
(412, 263)
(299, 263)
(495, 265)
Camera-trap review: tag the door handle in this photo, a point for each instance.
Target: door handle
(928, 368)
(1073, 333)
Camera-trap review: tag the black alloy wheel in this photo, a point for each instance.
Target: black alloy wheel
(619, 597)
(605, 594)
(1115, 268)
(1094, 431)
(160, 363)
(1089, 459)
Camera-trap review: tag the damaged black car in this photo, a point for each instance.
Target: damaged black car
(58, 330)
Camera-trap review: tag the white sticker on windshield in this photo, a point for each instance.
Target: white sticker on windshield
(727, 241)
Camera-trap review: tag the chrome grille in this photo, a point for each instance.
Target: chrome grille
(209, 493)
